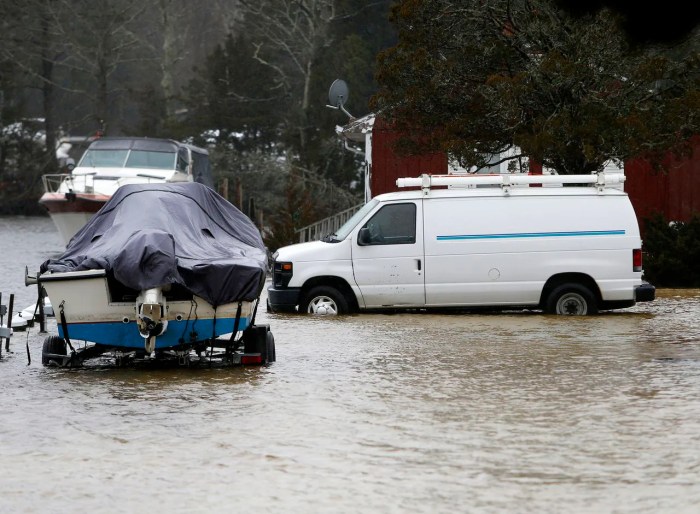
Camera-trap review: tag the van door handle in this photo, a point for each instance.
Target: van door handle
(418, 262)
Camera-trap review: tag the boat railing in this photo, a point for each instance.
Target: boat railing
(318, 230)
(52, 182)
(85, 182)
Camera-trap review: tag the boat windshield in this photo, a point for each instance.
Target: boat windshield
(128, 159)
(347, 227)
(156, 160)
(104, 158)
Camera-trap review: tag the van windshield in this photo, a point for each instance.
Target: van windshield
(347, 227)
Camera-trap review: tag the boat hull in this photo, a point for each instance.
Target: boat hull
(118, 335)
(96, 312)
(71, 211)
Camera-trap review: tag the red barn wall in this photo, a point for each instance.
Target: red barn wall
(387, 166)
(673, 192)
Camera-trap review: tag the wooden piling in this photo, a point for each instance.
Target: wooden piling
(9, 320)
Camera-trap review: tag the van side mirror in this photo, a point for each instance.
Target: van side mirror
(363, 238)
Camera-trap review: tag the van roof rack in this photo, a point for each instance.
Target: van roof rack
(425, 182)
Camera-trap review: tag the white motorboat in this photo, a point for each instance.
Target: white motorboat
(72, 199)
(162, 270)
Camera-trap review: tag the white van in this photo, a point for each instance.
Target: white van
(475, 241)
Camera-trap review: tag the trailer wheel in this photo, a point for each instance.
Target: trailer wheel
(52, 345)
(571, 300)
(325, 301)
(270, 347)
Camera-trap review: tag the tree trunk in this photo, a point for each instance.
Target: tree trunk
(2, 145)
(101, 108)
(305, 99)
(170, 55)
(47, 90)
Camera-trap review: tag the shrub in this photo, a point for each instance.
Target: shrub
(672, 252)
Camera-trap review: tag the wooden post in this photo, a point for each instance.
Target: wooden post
(251, 209)
(42, 318)
(9, 320)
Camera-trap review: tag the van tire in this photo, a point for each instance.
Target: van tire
(571, 300)
(324, 301)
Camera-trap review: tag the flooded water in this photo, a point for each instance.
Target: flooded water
(403, 413)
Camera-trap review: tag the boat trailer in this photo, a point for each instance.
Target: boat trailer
(256, 346)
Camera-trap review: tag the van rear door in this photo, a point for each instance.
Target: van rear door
(387, 256)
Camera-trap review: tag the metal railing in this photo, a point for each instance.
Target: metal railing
(52, 182)
(316, 231)
(85, 182)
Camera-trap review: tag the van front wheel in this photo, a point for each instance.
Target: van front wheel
(325, 301)
(571, 300)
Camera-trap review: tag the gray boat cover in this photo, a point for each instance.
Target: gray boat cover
(181, 233)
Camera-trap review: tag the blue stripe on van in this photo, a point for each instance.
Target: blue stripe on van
(533, 234)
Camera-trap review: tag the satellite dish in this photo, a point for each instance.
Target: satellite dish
(338, 93)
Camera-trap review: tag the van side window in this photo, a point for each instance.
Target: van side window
(392, 225)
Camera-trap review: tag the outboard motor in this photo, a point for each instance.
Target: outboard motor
(151, 316)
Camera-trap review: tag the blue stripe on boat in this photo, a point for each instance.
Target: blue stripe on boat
(126, 335)
(517, 235)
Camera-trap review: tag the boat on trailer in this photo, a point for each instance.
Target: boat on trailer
(161, 272)
(71, 199)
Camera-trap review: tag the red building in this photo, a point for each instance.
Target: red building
(672, 191)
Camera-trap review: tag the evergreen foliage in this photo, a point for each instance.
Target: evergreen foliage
(233, 94)
(22, 163)
(672, 252)
(477, 78)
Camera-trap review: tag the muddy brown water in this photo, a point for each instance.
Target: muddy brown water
(429, 413)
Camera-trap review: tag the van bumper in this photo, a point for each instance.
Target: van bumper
(283, 300)
(645, 293)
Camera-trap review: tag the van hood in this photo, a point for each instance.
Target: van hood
(314, 251)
